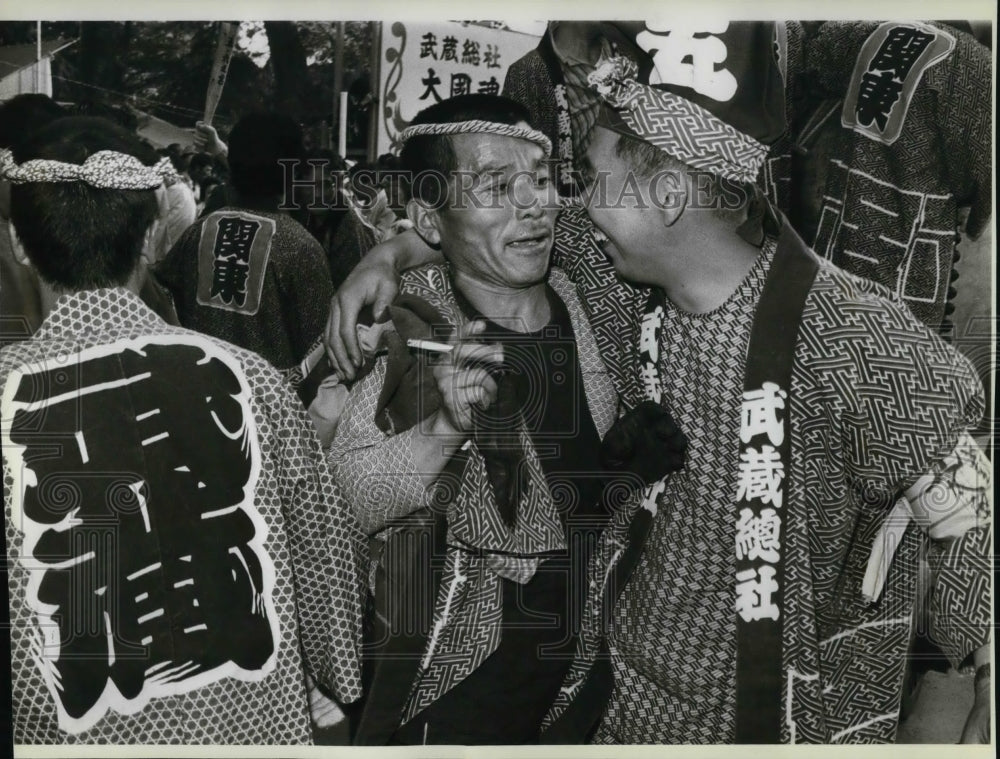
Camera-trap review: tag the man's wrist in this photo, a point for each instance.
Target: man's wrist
(439, 426)
(982, 676)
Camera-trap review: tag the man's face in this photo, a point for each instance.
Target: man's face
(622, 206)
(497, 228)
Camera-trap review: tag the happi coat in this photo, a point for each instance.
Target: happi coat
(376, 469)
(174, 542)
(876, 403)
(899, 146)
(256, 279)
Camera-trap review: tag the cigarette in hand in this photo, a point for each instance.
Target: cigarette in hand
(429, 345)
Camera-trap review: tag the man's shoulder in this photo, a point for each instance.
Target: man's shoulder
(18, 356)
(261, 376)
(560, 282)
(290, 230)
(572, 221)
(429, 281)
(851, 293)
(850, 320)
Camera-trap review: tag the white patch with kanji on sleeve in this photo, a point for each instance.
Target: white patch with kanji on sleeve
(888, 70)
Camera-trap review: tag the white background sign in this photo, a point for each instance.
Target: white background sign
(424, 63)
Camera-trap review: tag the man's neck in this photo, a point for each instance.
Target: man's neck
(49, 295)
(517, 309)
(704, 267)
(572, 47)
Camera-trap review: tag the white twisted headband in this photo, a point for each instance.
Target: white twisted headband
(106, 169)
(480, 127)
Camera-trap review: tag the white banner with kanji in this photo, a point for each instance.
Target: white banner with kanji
(422, 64)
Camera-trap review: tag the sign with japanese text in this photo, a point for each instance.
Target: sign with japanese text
(760, 496)
(232, 260)
(423, 64)
(889, 68)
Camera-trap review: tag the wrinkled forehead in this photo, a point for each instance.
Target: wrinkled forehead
(478, 152)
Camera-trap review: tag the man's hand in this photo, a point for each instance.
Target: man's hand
(207, 140)
(463, 377)
(374, 282)
(977, 726)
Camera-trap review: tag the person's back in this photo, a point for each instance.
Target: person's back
(883, 180)
(172, 548)
(248, 273)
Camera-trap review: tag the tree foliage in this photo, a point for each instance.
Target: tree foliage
(164, 68)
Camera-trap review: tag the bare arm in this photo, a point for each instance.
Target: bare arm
(374, 282)
(385, 477)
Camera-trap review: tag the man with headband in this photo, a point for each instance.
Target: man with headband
(20, 308)
(829, 445)
(470, 451)
(173, 542)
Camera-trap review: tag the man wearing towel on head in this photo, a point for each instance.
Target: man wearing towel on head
(828, 428)
(174, 545)
(473, 457)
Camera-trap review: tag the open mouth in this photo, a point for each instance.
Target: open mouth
(529, 243)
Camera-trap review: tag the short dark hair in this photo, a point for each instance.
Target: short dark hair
(256, 144)
(435, 153)
(25, 114)
(80, 237)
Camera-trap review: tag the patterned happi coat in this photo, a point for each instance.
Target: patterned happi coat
(173, 537)
(875, 403)
(256, 279)
(902, 143)
(379, 477)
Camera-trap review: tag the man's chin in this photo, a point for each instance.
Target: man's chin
(634, 275)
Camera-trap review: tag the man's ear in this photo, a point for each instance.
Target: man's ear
(426, 221)
(149, 242)
(672, 191)
(17, 247)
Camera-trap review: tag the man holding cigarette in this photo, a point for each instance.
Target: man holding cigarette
(470, 451)
(829, 430)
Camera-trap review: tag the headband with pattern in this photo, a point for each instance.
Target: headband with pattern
(106, 169)
(675, 125)
(480, 127)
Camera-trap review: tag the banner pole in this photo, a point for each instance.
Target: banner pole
(376, 85)
(220, 67)
(342, 126)
(338, 77)
(37, 84)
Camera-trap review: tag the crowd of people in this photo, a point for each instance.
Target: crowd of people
(639, 424)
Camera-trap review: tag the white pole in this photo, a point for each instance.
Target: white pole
(342, 126)
(38, 57)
